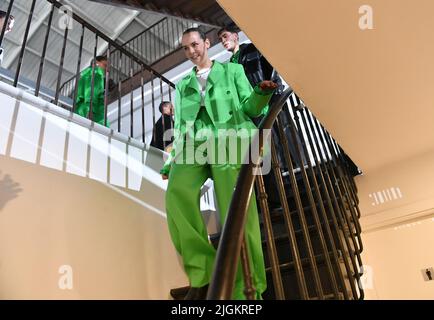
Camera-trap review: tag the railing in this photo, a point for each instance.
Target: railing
(330, 201)
(331, 195)
(151, 45)
(117, 55)
(160, 39)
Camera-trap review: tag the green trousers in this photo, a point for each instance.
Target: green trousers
(82, 109)
(187, 227)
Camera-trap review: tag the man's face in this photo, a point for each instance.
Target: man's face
(229, 40)
(102, 64)
(168, 109)
(195, 48)
(10, 24)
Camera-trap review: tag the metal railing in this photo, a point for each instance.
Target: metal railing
(118, 58)
(151, 45)
(160, 39)
(320, 195)
(321, 188)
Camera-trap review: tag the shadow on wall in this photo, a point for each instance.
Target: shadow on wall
(9, 189)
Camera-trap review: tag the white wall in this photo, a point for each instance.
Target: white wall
(77, 195)
(397, 255)
(397, 206)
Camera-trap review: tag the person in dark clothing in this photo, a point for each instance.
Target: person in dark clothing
(257, 69)
(8, 27)
(162, 125)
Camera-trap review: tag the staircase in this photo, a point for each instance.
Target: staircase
(317, 243)
(311, 238)
(286, 257)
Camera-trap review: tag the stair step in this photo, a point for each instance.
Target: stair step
(290, 285)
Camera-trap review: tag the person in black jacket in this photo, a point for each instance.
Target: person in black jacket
(162, 125)
(8, 27)
(258, 69)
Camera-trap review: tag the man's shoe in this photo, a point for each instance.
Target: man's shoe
(197, 293)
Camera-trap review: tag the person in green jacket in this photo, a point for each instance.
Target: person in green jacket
(212, 98)
(84, 91)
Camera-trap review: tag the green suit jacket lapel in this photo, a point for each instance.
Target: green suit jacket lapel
(216, 74)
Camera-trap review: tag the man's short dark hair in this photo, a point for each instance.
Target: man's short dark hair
(101, 58)
(98, 59)
(198, 30)
(162, 104)
(3, 15)
(229, 28)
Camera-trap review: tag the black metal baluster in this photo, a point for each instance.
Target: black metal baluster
(131, 100)
(92, 87)
(23, 46)
(107, 83)
(143, 103)
(347, 200)
(269, 237)
(173, 105)
(153, 106)
(162, 113)
(44, 51)
(119, 91)
(304, 294)
(249, 290)
(62, 58)
(77, 76)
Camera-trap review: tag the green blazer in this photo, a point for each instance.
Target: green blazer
(229, 100)
(84, 90)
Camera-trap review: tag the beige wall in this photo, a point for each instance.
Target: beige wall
(117, 248)
(396, 256)
(398, 234)
(372, 89)
(413, 176)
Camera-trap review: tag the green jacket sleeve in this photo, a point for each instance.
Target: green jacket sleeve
(81, 108)
(252, 102)
(98, 91)
(177, 125)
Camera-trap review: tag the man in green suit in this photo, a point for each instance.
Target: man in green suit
(85, 91)
(213, 98)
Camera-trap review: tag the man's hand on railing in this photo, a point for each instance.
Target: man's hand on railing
(164, 176)
(268, 85)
